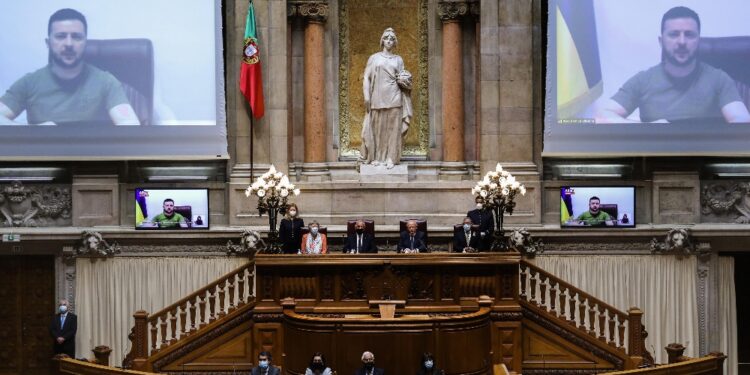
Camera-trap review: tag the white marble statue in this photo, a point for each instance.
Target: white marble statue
(387, 88)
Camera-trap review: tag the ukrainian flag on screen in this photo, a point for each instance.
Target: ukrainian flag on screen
(141, 213)
(579, 74)
(566, 207)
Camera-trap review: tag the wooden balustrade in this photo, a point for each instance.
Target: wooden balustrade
(185, 317)
(582, 310)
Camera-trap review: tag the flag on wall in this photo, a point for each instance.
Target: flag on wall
(251, 84)
(579, 74)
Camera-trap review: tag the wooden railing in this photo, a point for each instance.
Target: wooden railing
(187, 316)
(584, 311)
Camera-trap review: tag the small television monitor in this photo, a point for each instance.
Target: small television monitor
(177, 209)
(597, 206)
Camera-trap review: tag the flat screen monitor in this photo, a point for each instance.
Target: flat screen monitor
(597, 206)
(178, 209)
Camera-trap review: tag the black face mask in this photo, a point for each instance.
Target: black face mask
(360, 231)
(369, 366)
(317, 367)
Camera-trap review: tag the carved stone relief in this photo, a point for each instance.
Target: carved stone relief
(35, 206)
(726, 202)
(92, 244)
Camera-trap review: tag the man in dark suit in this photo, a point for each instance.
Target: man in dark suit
(63, 330)
(465, 240)
(486, 223)
(368, 366)
(412, 241)
(359, 241)
(264, 365)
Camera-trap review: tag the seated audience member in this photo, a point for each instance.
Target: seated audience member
(368, 365)
(264, 365)
(466, 240)
(359, 241)
(290, 230)
(169, 219)
(486, 223)
(314, 242)
(428, 366)
(411, 240)
(318, 365)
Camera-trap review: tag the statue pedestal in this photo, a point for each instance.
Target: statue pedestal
(371, 173)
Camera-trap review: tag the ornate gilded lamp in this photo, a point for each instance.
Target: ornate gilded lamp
(497, 192)
(273, 190)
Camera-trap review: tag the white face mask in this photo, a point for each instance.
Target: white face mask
(428, 364)
(479, 205)
(314, 231)
(292, 213)
(467, 227)
(63, 309)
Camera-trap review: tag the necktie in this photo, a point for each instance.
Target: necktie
(412, 242)
(468, 238)
(359, 242)
(62, 321)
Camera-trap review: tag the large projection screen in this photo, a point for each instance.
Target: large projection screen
(163, 58)
(600, 52)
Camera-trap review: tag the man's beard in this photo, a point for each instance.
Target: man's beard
(669, 57)
(57, 60)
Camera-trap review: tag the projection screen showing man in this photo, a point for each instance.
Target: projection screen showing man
(660, 77)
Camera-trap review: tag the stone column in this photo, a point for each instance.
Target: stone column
(315, 14)
(451, 13)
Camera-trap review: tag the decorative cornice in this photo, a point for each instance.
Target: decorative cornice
(312, 11)
(597, 246)
(574, 339)
(203, 340)
(186, 248)
(455, 10)
(266, 318)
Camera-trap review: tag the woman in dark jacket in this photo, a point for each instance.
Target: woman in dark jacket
(290, 230)
(428, 366)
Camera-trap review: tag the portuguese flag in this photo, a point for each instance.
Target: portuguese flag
(251, 84)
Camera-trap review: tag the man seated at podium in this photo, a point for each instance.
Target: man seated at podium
(594, 216)
(359, 241)
(466, 240)
(412, 241)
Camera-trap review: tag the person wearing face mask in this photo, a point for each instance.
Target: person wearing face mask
(486, 223)
(314, 242)
(264, 365)
(427, 366)
(465, 239)
(318, 365)
(290, 230)
(368, 365)
(360, 241)
(63, 330)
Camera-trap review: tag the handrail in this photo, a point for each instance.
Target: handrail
(155, 332)
(584, 311)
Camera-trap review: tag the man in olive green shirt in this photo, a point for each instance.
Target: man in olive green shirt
(680, 87)
(595, 216)
(67, 90)
(168, 218)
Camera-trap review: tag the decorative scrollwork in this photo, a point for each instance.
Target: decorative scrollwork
(677, 240)
(521, 241)
(92, 244)
(23, 206)
(453, 10)
(250, 243)
(720, 199)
